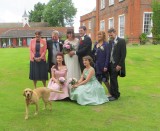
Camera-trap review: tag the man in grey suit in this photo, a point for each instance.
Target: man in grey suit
(117, 62)
(54, 46)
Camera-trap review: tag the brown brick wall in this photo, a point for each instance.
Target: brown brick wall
(133, 11)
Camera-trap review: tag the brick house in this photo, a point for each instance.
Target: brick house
(20, 34)
(130, 18)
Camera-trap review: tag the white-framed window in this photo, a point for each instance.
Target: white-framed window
(102, 4)
(89, 25)
(102, 25)
(110, 23)
(111, 2)
(147, 23)
(121, 0)
(121, 27)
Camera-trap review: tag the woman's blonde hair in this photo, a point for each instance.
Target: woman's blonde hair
(103, 34)
(89, 59)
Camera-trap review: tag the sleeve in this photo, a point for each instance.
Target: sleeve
(122, 52)
(107, 55)
(31, 50)
(53, 70)
(87, 46)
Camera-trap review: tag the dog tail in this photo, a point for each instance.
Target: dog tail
(56, 91)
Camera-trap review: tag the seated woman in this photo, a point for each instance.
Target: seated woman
(59, 70)
(88, 91)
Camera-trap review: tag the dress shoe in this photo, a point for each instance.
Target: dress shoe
(112, 98)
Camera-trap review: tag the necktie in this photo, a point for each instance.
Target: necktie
(111, 57)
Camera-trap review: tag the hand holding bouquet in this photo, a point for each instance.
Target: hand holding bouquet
(67, 47)
(73, 81)
(61, 81)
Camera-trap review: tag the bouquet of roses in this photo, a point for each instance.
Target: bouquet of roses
(61, 82)
(73, 81)
(67, 47)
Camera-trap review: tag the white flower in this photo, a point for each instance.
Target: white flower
(82, 38)
(115, 42)
(41, 45)
(101, 48)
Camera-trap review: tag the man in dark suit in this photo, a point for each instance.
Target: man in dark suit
(117, 62)
(84, 48)
(54, 46)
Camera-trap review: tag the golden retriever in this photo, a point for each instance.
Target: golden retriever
(33, 96)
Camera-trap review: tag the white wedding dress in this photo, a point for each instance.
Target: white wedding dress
(72, 63)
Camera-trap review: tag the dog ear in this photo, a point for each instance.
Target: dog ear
(24, 93)
(31, 93)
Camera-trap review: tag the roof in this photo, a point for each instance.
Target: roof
(30, 32)
(31, 24)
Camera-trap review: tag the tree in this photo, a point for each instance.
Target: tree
(156, 21)
(36, 14)
(59, 12)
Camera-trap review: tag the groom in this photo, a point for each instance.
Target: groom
(84, 48)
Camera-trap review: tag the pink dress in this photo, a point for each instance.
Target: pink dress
(55, 86)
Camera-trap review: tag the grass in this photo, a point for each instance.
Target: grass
(136, 110)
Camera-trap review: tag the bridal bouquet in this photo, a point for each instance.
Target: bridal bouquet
(73, 81)
(67, 47)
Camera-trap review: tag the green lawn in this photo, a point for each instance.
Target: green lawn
(138, 109)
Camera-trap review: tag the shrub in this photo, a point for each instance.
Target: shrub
(143, 38)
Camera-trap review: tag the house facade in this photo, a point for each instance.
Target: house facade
(130, 18)
(20, 34)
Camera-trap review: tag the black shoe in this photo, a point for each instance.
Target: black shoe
(112, 98)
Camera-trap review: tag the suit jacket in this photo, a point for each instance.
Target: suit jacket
(84, 47)
(119, 54)
(43, 47)
(50, 49)
(101, 56)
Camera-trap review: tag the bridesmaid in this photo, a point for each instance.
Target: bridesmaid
(88, 91)
(38, 66)
(101, 59)
(59, 70)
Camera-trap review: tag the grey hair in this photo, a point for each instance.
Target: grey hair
(55, 32)
(89, 58)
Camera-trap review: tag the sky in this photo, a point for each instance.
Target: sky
(12, 10)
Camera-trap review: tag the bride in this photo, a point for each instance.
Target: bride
(72, 63)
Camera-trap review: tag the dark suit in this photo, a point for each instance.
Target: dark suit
(50, 52)
(119, 55)
(84, 49)
(101, 59)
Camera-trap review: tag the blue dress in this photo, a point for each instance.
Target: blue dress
(91, 93)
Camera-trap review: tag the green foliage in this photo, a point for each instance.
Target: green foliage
(143, 38)
(36, 14)
(63, 37)
(59, 12)
(156, 21)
